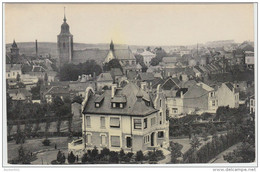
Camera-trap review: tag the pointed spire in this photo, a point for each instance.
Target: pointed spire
(64, 15)
(112, 46)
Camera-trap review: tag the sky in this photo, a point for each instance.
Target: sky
(132, 24)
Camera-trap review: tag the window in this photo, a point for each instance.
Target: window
(115, 141)
(211, 94)
(97, 105)
(103, 139)
(88, 121)
(137, 124)
(13, 73)
(114, 105)
(88, 138)
(153, 121)
(213, 102)
(121, 105)
(8, 75)
(145, 123)
(102, 122)
(252, 102)
(160, 113)
(114, 122)
(175, 110)
(128, 142)
(146, 139)
(160, 134)
(160, 103)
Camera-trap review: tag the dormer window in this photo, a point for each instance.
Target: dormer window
(121, 105)
(114, 105)
(96, 105)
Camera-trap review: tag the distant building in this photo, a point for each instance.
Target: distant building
(249, 59)
(200, 98)
(147, 55)
(228, 95)
(13, 70)
(252, 104)
(104, 79)
(20, 94)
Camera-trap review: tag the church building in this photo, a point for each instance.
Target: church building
(68, 55)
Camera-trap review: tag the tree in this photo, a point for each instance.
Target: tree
(114, 63)
(205, 135)
(113, 157)
(23, 156)
(243, 154)
(195, 143)
(71, 158)
(139, 156)
(77, 99)
(175, 152)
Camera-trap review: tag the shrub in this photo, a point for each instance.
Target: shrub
(71, 158)
(113, 157)
(46, 142)
(84, 158)
(139, 156)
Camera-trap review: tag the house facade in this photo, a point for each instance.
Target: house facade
(122, 118)
(227, 95)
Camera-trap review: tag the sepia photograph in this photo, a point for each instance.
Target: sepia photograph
(140, 84)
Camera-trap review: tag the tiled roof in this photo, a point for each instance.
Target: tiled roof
(133, 107)
(131, 75)
(169, 59)
(104, 77)
(116, 72)
(146, 76)
(81, 56)
(183, 90)
(14, 67)
(195, 92)
(124, 54)
(58, 90)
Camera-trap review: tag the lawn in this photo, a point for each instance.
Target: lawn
(35, 145)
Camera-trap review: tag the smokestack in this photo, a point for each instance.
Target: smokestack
(36, 47)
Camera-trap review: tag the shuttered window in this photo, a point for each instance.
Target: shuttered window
(137, 124)
(115, 141)
(114, 122)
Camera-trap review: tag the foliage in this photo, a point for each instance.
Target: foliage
(84, 158)
(195, 143)
(175, 152)
(36, 90)
(114, 63)
(71, 158)
(61, 157)
(77, 99)
(70, 72)
(46, 142)
(160, 53)
(140, 59)
(243, 154)
(139, 156)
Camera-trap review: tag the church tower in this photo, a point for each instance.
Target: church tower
(65, 43)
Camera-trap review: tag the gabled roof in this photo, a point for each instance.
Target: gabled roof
(125, 54)
(171, 84)
(116, 72)
(105, 77)
(14, 67)
(58, 90)
(183, 90)
(20, 91)
(131, 75)
(195, 92)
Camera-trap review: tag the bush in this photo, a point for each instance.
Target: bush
(84, 158)
(71, 158)
(139, 156)
(54, 162)
(113, 157)
(46, 142)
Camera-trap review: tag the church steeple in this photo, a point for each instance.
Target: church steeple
(112, 46)
(64, 15)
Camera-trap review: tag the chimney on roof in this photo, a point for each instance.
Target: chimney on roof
(113, 90)
(143, 86)
(139, 95)
(181, 94)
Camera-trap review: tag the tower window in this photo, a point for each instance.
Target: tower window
(64, 44)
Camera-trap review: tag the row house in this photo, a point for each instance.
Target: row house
(122, 118)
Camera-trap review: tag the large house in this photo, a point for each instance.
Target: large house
(122, 118)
